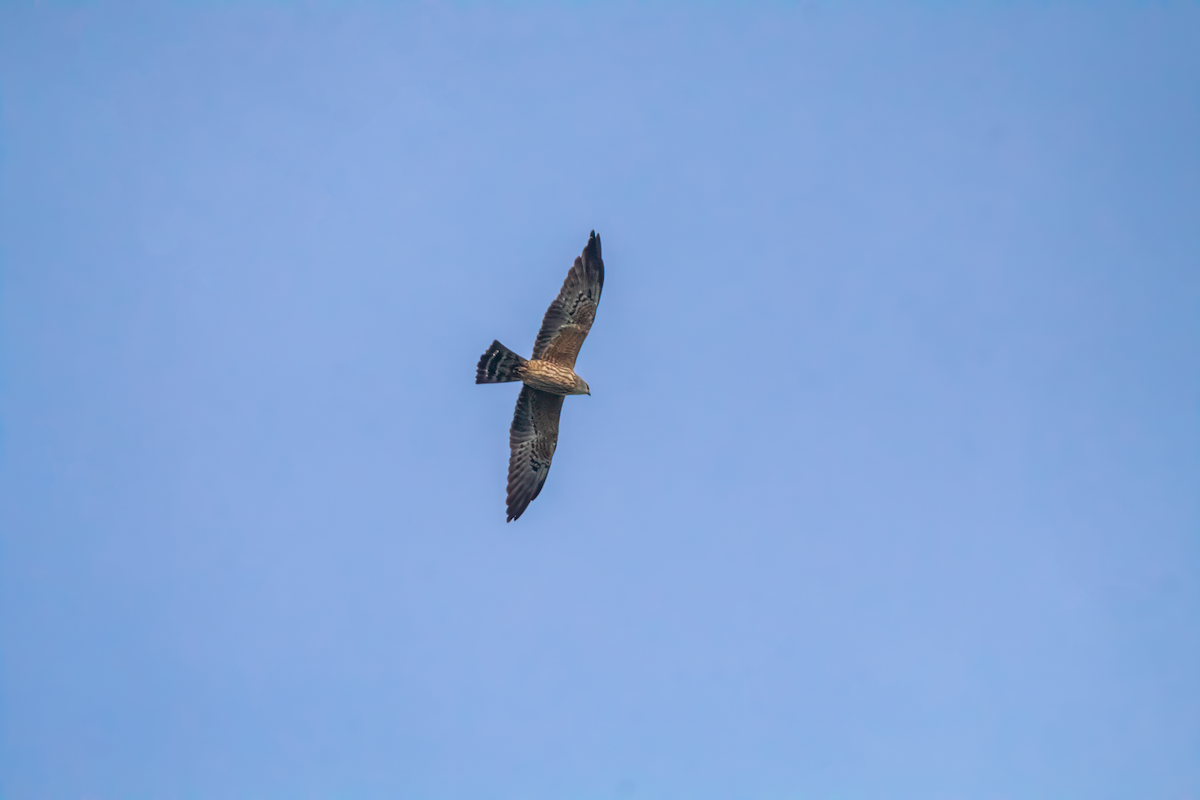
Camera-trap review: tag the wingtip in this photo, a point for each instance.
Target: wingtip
(594, 244)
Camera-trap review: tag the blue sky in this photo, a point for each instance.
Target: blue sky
(887, 487)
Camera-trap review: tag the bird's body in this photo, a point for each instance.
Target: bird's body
(548, 377)
(554, 378)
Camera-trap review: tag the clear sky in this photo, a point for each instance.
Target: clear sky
(888, 486)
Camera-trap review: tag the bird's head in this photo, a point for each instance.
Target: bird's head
(581, 386)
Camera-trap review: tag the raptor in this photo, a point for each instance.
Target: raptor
(548, 377)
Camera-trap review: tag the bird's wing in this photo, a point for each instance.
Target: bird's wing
(533, 437)
(570, 316)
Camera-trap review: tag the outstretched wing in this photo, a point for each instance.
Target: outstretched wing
(533, 437)
(570, 316)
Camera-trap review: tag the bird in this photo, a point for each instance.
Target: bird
(548, 377)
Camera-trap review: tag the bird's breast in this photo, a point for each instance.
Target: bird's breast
(549, 377)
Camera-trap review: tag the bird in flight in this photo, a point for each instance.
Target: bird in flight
(548, 377)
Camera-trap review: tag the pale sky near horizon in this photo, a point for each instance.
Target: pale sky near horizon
(887, 486)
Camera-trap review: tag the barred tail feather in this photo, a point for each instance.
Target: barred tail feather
(499, 364)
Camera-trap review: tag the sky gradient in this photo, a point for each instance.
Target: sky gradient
(887, 487)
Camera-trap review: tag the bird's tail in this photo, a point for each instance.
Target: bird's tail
(499, 364)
